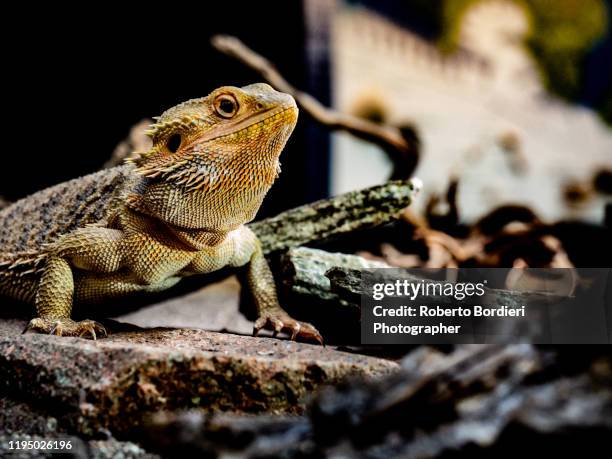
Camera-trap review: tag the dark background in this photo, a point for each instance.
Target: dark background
(77, 78)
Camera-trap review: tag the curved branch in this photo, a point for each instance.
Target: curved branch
(385, 136)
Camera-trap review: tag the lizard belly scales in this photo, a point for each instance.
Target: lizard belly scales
(176, 210)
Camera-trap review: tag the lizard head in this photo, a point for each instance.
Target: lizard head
(224, 146)
(230, 129)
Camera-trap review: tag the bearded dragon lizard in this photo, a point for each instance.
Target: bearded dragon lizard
(176, 210)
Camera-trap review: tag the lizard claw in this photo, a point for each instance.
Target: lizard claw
(282, 322)
(296, 331)
(66, 327)
(91, 327)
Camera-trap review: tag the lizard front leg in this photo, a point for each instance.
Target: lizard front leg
(263, 288)
(53, 303)
(90, 248)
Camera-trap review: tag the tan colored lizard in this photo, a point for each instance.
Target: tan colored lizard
(173, 211)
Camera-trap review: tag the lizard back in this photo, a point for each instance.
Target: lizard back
(41, 218)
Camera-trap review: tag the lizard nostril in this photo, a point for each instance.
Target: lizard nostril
(259, 106)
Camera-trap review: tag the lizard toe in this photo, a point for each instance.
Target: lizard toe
(306, 332)
(45, 326)
(57, 329)
(66, 327)
(277, 325)
(90, 329)
(259, 325)
(36, 325)
(283, 322)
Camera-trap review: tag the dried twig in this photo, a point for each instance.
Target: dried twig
(385, 136)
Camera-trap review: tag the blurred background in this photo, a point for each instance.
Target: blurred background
(497, 92)
(504, 102)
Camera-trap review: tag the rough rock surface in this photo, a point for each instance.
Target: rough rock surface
(473, 402)
(113, 384)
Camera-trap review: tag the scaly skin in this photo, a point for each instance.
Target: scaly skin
(176, 210)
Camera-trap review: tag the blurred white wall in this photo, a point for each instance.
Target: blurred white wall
(469, 107)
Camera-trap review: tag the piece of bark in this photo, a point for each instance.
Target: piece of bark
(328, 289)
(303, 272)
(328, 218)
(336, 278)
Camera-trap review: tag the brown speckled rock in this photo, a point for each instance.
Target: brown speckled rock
(112, 384)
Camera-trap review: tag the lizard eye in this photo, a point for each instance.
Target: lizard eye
(226, 105)
(174, 142)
